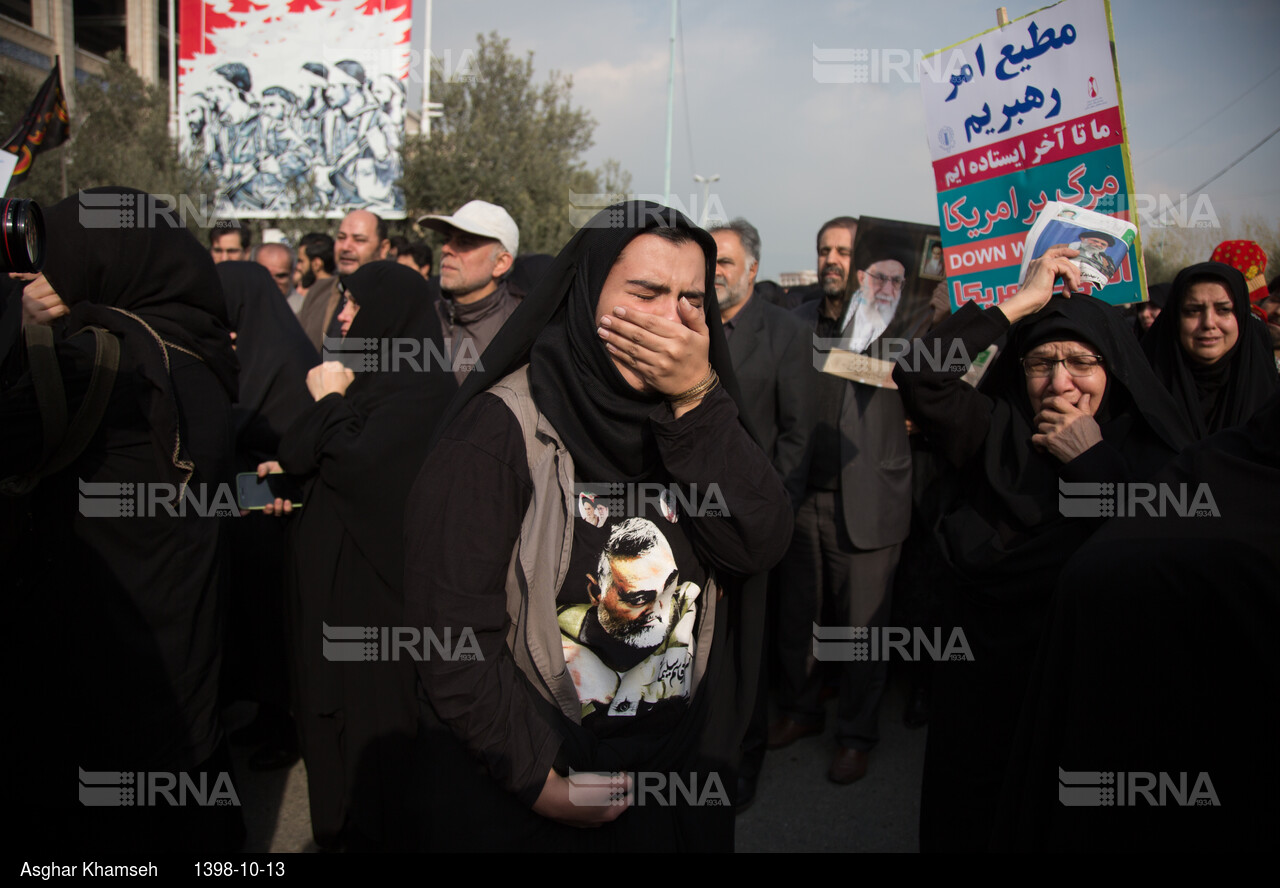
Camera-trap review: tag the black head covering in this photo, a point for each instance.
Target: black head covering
(1013, 524)
(394, 302)
(601, 418)
(153, 286)
(274, 355)
(1158, 295)
(1229, 391)
(526, 271)
(366, 478)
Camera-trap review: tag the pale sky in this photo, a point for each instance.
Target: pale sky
(792, 152)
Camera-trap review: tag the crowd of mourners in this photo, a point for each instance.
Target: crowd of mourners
(541, 519)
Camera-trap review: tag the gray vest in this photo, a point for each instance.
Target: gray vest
(534, 579)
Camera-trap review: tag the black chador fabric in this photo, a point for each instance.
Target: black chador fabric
(527, 271)
(361, 451)
(274, 355)
(1158, 668)
(10, 315)
(145, 283)
(1229, 391)
(607, 427)
(1008, 521)
(1003, 537)
(131, 589)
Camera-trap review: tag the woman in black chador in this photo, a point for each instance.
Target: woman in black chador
(1209, 350)
(1069, 399)
(608, 633)
(274, 356)
(1159, 670)
(119, 585)
(361, 443)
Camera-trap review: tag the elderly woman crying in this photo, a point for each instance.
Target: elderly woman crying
(1069, 399)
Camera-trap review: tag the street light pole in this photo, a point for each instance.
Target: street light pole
(671, 100)
(706, 193)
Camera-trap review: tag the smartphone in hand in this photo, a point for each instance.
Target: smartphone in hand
(254, 493)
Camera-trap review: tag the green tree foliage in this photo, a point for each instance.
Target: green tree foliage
(119, 136)
(507, 140)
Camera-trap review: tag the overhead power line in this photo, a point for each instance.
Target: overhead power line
(1224, 170)
(1211, 118)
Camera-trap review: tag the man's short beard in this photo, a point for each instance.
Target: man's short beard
(831, 288)
(455, 295)
(633, 633)
(731, 298)
(308, 278)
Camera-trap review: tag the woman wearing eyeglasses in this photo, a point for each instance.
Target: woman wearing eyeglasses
(1069, 399)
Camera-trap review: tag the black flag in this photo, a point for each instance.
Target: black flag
(45, 125)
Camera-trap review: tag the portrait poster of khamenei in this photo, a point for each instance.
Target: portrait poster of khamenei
(297, 107)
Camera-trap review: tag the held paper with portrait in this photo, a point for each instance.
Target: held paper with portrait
(1102, 241)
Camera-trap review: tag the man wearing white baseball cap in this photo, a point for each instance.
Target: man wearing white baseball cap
(482, 243)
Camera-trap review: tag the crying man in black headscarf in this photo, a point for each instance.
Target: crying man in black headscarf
(613, 378)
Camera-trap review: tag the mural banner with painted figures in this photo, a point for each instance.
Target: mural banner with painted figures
(1019, 116)
(296, 106)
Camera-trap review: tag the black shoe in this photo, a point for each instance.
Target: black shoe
(916, 714)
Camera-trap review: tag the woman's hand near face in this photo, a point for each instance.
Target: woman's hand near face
(329, 378)
(1066, 430)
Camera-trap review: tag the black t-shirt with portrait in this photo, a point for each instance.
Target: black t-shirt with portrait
(630, 605)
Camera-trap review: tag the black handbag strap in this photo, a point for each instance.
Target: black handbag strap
(63, 441)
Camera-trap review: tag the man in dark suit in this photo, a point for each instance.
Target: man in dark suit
(770, 349)
(856, 509)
